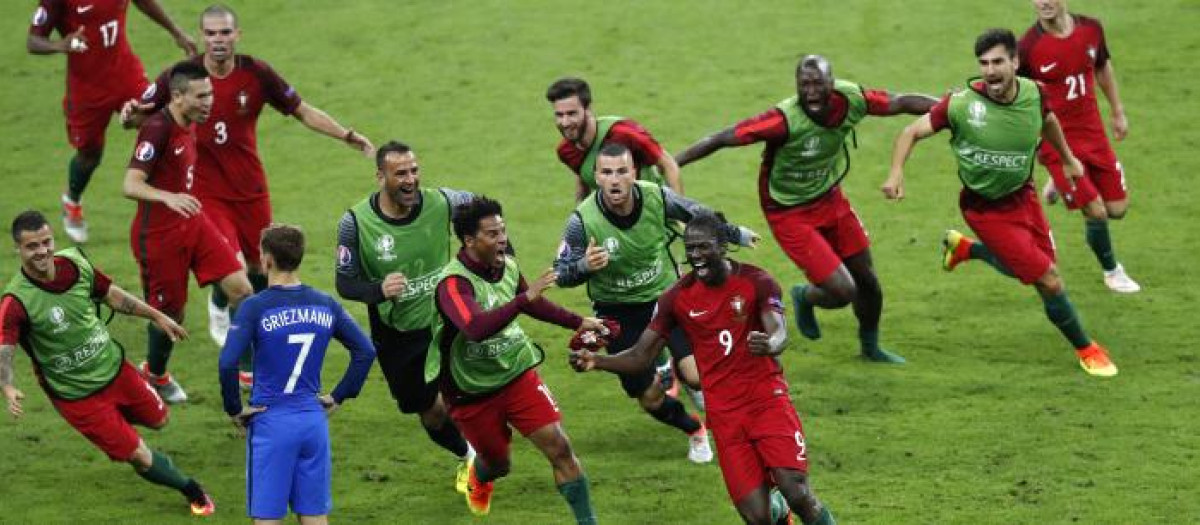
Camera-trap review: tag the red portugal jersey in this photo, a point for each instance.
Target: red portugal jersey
(771, 128)
(646, 151)
(108, 70)
(166, 151)
(1066, 67)
(228, 167)
(717, 322)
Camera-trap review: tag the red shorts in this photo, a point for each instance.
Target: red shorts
(751, 442)
(819, 235)
(241, 222)
(1103, 176)
(86, 124)
(165, 257)
(524, 404)
(105, 417)
(1014, 229)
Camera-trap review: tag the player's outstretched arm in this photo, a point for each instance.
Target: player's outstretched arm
(137, 188)
(321, 122)
(155, 12)
(362, 354)
(893, 187)
(11, 394)
(40, 45)
(636, 359)
(706, 146)
(1052, 132)
(124, 302)
(670, 172)
(684, 209)
(578, 256)
(910, 103)
(1108, 84)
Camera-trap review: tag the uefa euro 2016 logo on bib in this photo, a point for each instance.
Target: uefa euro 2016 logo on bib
(978, 111)
(611, 245)
(59, 318)
(384, 246)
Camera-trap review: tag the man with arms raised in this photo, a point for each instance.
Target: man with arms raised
(583, 133)
(799, 188)
(49, 308)
(486, 365)
(1068, 55)
(290, 325)
(392, 246)
(102, 73)
(732, 314)
(616, 242)
(230, 180)
(997, 122)
(171, 234)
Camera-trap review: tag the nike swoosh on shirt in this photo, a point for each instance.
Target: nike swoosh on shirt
(1046, 68)
(693, 313)
(179, 150)
(84, 8)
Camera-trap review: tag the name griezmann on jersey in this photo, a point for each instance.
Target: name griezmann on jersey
(291, 316)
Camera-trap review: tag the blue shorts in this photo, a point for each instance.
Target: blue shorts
(288, 462)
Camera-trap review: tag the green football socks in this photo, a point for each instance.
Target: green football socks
(78, 177)
(869, 341)
(806, 318)
(1062, 314)
(158, 350)
(826, 518)
(981, 252)
(163, 472)
(576, 494)
(1101, 244)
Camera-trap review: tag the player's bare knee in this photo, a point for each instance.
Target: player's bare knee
(1116, 209)
(435, 417)
(142, 457)
(1096, 211)
(236, 287)
(1051, 283)
(652, 398)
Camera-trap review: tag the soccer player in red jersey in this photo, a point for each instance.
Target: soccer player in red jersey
(102, 73)
(583, 133)
(171, 234)
(799, 185)
(230, 180)
(1068, 55)
(49, 309)
(732, 314)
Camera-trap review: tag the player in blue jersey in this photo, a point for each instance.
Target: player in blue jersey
(289, 325)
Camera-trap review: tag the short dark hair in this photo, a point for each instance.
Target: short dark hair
(27, 221)
(392, 146)
(996, 36)
(218, 10)
(570, 87)
(182, 73)
(710, 223)
(816, 62)
(285, 244)
(613, 149)
(468, 214)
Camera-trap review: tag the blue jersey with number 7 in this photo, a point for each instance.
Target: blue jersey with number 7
(288, 328)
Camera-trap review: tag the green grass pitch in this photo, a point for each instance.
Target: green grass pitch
(990, 422)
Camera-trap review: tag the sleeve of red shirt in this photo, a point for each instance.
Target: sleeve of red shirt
(878, 101)
(276, 90)
(161, 94)
(456, 300)
(664, 312)
(100, 284)
(153, 139)
(1102, 55)
(12, 320)
(1044, 100)
(767, 291)
(646, 150)
(548, 311)
(769, 126)
(46, 17)
(939, 114)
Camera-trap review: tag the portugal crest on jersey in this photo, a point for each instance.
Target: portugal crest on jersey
(737, 304)
(243, 101)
